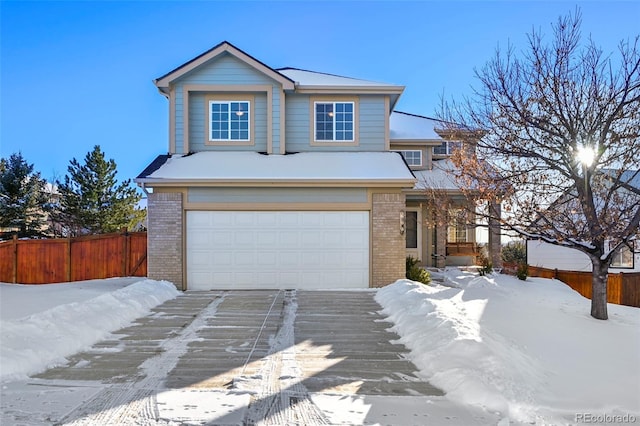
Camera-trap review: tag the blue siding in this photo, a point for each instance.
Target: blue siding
(179, 123)
(276, 121)
(198, 126)
(297, 123)
(371, 125)
(225, 69)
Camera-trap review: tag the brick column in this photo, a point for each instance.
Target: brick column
(164, 237)
(388, 244)
(441, 242)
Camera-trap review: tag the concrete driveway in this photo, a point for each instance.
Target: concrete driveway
(237, 357)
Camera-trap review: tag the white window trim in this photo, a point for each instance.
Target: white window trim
(229, 102)
(412, 150)
(334, 140)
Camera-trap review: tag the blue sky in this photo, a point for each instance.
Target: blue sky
(77, 74)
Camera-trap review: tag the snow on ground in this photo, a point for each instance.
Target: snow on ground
(519, 352)
(43, 324)
(527, 350)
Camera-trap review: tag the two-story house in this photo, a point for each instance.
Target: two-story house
(285, 178)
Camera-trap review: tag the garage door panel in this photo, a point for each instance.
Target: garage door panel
(288, 259)
(241, 219)
(219, 239)
(267, 239)
(247, 250)
(267, 259)
(290, 219)
(266, 220)
(354, 240)
(311, 239)
(201, 239)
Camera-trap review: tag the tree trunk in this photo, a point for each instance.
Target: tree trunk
(599, 289)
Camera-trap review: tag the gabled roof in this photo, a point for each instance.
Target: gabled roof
(411, 127)
(224, 47)
(247, 167)
(303, 81)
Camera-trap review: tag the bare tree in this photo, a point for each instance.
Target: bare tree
(560, 145)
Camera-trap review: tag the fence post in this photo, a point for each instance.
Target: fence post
(15, 259)
(125, 255)
(68, 256)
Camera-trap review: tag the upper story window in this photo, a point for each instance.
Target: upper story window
(229, 120)
(447, 148)
(334, 121)
(412, 157)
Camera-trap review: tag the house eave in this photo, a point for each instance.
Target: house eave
(377, 90)
(427, 193)
(335, 183)
(429, 142)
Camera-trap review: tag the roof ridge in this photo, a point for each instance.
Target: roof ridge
(326, 73)
(419, 116)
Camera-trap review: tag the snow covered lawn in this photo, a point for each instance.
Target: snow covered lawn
(40, 325)
(527, 350)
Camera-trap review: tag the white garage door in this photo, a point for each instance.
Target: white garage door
(303, 250)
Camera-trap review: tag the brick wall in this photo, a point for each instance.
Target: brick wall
(164, 237)
(388, 245)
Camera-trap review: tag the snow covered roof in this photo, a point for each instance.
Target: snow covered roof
(317, 82)
(440, 177)
(343, 168)
(632, 178)
(313, 78)
(405, 126)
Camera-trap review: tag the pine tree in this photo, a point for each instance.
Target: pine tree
(92, 201)
(23, 200)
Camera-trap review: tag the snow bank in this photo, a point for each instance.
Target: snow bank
(528, 350)
(32, 344)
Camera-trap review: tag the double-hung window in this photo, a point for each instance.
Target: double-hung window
(334, 121)
(229, 120)
(412, 157)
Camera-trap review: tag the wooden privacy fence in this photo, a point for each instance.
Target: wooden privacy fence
(622, 288)
(73, 259)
